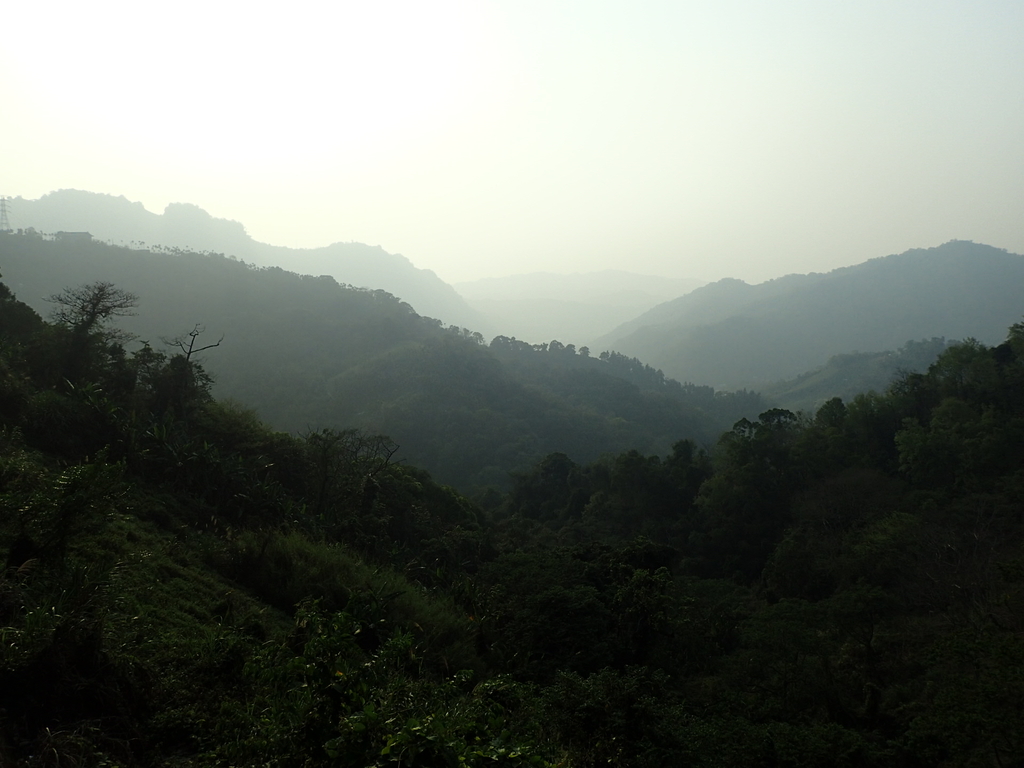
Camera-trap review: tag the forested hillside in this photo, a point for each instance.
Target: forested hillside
(183, 586)
(851, 374)
(306, 353)
(730, 334)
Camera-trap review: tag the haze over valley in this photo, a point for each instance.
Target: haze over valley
(727, 335)
(582, 307)
(533, 384)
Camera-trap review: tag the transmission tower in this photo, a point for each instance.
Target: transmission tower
(5, 223)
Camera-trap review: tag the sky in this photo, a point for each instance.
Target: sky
(734, 138)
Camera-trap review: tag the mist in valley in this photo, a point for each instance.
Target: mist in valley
(534, 384)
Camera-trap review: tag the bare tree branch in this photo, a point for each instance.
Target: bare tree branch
(188, 348)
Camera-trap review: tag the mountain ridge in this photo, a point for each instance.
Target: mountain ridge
(188, 227)
(731, 334)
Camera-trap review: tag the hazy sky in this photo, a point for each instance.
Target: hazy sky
(689, 139)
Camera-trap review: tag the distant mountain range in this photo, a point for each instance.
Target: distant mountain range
(798, 338)
(543, 306)
(190, 228)
(536, 308)
(730, 334)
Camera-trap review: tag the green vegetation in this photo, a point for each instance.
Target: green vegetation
(183, 586)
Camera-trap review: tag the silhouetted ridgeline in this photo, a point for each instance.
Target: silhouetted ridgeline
(190, 228)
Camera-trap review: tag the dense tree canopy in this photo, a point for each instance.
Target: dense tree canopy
(184, 586)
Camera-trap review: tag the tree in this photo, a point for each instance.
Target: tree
(189, 348)
(85, 308)
(83, 311)
(184, 383)
(743, 508)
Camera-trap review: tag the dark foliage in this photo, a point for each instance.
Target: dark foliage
(184, 586)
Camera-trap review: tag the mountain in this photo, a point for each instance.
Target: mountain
(306, 352)
(576, 308)
(188, 227)
(730, 334)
